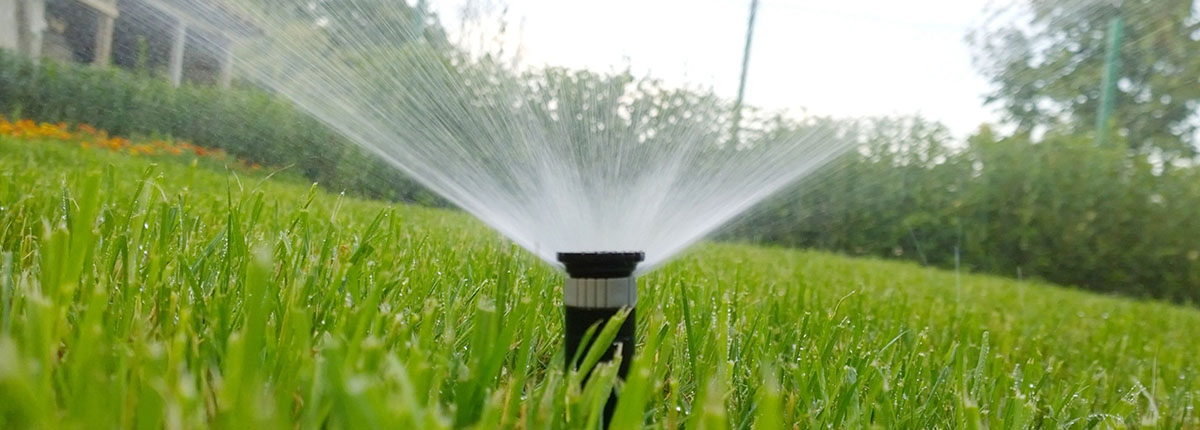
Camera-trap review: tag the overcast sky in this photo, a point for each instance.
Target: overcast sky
(843, 58)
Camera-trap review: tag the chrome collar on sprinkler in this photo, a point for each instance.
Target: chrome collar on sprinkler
(600, 285)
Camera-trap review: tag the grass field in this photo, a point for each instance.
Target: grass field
(146, 296)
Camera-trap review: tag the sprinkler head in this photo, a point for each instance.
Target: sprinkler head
(599, 286)
(600, 265)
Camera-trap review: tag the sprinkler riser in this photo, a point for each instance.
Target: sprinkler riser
(592, 302)
(599, 287)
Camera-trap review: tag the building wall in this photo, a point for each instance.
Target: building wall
(70, 31)
(8, 25)
(141, 38)
(21, 25)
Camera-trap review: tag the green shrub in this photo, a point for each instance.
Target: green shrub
(1058, 208)
(248, 123)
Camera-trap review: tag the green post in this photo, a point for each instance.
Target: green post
(1108, 89)
(737, 106)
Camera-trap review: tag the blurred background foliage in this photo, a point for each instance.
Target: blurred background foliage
(1056, 208)
(1047, 69)
(248, 123)
(1048, 197)
(1034, 196)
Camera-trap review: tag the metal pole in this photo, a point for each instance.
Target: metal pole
(419, 20)
(1108, 89)
(737, 106)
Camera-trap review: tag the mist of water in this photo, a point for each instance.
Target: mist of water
(556, 160)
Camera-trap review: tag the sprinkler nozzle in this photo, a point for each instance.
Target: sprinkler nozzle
(601, 265)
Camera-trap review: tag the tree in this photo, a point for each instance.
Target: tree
(1047, 67)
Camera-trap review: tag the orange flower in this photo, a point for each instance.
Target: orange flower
(88, 137)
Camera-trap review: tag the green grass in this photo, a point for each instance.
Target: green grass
(151, 296)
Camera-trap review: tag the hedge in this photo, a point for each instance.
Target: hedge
(248, 123)
(1057, 208)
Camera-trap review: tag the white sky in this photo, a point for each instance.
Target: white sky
(829, 57)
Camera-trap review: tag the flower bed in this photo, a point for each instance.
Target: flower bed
(88, 137)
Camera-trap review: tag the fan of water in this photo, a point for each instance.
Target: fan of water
(557, 160)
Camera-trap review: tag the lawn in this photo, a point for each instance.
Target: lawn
(153, 291)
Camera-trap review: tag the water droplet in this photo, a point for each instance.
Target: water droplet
(687, 171)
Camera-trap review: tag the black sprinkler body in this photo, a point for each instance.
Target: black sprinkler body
(601, 265)
(600, 285)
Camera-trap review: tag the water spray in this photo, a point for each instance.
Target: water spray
(600, 285)
(556, 160)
